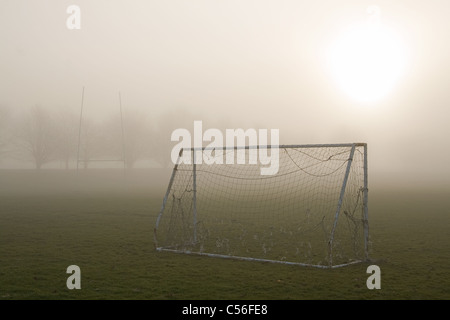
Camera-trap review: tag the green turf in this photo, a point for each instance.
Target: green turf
(107, 230)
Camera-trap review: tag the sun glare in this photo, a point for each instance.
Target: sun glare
(367, 61)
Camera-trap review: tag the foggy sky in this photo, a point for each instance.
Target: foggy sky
(252, 63)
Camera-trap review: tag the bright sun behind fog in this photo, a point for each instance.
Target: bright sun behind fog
(367, 61)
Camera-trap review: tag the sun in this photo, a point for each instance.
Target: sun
(367, 61)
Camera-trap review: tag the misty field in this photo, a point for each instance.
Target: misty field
(103, 220)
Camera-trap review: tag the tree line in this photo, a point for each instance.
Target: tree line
(43, 136)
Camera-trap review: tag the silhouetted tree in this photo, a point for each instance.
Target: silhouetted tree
(131, 144)
(66, 139)
(36, 136)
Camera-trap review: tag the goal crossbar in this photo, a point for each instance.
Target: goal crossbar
(282, 146)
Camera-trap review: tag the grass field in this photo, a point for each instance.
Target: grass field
(103, 222)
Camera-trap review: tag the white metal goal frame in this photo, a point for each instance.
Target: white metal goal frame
(364, 189)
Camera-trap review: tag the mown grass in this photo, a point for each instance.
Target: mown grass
(107, 230)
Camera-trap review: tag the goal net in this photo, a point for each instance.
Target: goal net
(312, 211)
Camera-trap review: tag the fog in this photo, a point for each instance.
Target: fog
(231, 64)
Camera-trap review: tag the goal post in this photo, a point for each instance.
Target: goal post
(311, 211)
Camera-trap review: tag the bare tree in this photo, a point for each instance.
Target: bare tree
(36, 136)
(66, 137)
(131, 144)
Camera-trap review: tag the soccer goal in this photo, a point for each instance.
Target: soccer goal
(312, 211)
